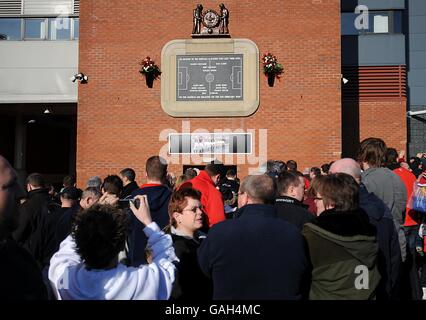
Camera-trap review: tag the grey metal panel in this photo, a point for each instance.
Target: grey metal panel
(418, 95)
(48, 7)
(417, 42)
(417, 24)
(417, 77)
(38, 71)
(374, 50)
(349, 5)
(417, 7)
(417, 60)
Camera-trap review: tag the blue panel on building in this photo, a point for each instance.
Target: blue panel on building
(417, 24)
(417, 42)
(417, 7)
(374, 50)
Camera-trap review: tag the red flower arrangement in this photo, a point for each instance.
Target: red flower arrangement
(150, 70)
(271, 65)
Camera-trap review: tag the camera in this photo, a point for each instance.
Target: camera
(136, 202)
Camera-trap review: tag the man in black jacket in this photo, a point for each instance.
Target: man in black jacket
(257, 255)
(289, 202)
(34, 215)
(158, 199)
(128, 176)
(389, 263)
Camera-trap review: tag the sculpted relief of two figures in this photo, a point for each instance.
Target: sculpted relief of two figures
(223, 23)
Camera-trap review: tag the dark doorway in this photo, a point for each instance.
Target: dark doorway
(50, 147)
(7, 138)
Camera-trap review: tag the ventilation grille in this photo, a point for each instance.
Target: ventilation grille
(76, 6)
(374, 83)
(10, 7)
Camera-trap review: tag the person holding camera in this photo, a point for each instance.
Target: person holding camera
(87, 265)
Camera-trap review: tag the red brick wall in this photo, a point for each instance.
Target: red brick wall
(386, 120)
(120, 119)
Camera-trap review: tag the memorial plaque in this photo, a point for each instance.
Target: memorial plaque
(215, 77)
(210, 143)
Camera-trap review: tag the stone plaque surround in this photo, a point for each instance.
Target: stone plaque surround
(217, 108)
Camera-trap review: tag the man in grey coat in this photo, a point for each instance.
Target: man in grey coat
(384, 183)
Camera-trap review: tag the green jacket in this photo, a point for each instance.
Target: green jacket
(343, 267)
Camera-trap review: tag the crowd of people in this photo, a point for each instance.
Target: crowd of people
(349, 229)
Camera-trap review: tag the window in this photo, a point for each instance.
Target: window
(10, 29)
(35, 29)
(76, 28)
(378, 22)
(59, 28)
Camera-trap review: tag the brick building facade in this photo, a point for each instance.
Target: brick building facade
(120, 119)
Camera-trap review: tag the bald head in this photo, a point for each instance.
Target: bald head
(259, 189)
(348, 166)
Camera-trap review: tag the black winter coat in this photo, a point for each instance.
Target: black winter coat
(255, 256)
(293, 211)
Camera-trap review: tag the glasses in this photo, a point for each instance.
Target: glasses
(194, 210)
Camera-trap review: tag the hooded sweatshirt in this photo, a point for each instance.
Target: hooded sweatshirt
(211, 198)
(158, 200)
(343, 252)
(71, 280)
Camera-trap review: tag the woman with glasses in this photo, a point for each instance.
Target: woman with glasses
(186, 218)
(342, 244)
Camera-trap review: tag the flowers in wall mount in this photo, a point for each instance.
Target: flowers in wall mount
(150, 70)
(271, 68)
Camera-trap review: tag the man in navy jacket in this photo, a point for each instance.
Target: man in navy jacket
(158, 198)
(257, 255)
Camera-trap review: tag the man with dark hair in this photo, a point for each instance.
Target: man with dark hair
(158, 198)
(89, 197)
(111, 190)
(190, 173)
(211, 198)
(291, 165)
(33, 217)
(230, 181)
(20, 277)
(257, 255)
(384, 183)
(87, 264)
(69, 181)
(289, 202)
(275, 167)
(128, 177)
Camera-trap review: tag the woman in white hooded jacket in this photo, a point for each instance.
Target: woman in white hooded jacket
(87, 267)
